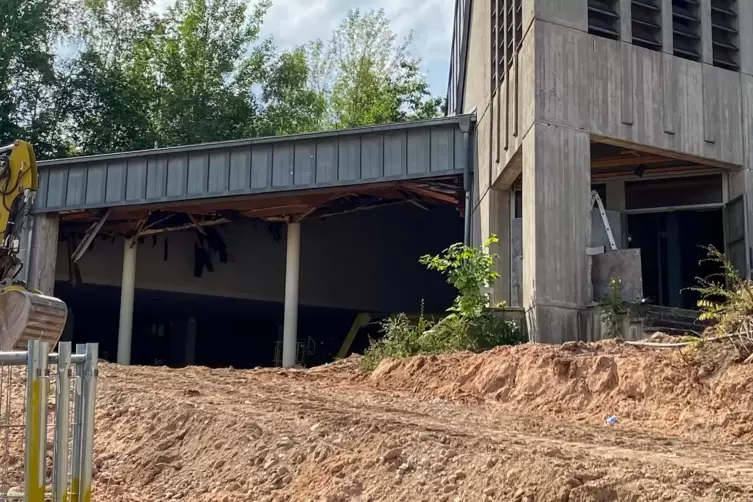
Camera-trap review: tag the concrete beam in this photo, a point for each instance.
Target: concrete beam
(557, 223)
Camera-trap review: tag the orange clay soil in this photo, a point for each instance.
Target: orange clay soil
(514, 424)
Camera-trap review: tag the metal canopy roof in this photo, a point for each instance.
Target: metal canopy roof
(392, 152)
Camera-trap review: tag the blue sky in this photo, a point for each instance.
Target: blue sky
(293, 22)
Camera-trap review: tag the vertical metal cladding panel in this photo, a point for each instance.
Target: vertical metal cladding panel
(58, 185)
(240, 169)
(326, 161)
(116, 181)
(442, 149)
(372, 156)
(96, 183)
(283, 166)
(76, 190)
(156, 177)
(219, 168)
(261, 167)
(177, 175)
(44, 180)
(349, 159)
(305, 162)
(395, 152)
(136, 175)
(419, 151)
(459, 157)
(198, 173)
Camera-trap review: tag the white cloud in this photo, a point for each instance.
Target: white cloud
(294, 22)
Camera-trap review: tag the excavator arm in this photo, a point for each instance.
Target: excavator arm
(25, 314)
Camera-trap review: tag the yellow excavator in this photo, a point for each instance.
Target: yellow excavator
(25, 314)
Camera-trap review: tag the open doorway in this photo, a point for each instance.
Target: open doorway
(673, 246)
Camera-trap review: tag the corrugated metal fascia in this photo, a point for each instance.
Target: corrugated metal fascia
(444, 121)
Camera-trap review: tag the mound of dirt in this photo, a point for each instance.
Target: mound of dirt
(327, 435)
(521, 424)
(646, 388)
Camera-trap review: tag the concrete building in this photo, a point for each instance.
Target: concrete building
(647, 102)
(250, 252)
(277, 246)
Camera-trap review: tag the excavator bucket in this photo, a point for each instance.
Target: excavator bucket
(28, 316)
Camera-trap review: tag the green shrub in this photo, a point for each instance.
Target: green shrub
(726, 298)
(614, 309)
(470, 326)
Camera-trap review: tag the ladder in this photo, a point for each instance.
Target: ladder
(596, 199)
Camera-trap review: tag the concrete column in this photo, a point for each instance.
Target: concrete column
(127, 292)
(43, 253)
(494, 214)
(556, 230)
(292, 269)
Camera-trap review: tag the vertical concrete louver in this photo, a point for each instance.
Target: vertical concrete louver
(724, 34)
(507, 37)
(498, 43)
(646, 24)
(686, 28)
(604, 18)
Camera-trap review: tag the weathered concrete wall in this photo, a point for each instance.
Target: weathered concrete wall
(624, 264)
(587, 87)
(556, 209)
(620, 91)
(365, 261)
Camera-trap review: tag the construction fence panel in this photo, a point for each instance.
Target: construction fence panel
(47, 403)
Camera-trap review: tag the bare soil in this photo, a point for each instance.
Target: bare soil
(515, 424)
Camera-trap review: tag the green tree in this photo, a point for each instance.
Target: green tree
(369, 76)
(110, 88)
(200, 60)
(29, 32)
(290, 105)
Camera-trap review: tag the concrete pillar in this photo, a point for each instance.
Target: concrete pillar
(292, 269)
(43, 253)
(127, 292)
(494, 215)
(556, 230)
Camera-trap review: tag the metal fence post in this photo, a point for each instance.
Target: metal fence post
(36, 421)
(78, 413)
(87, 443)
(62, 424)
